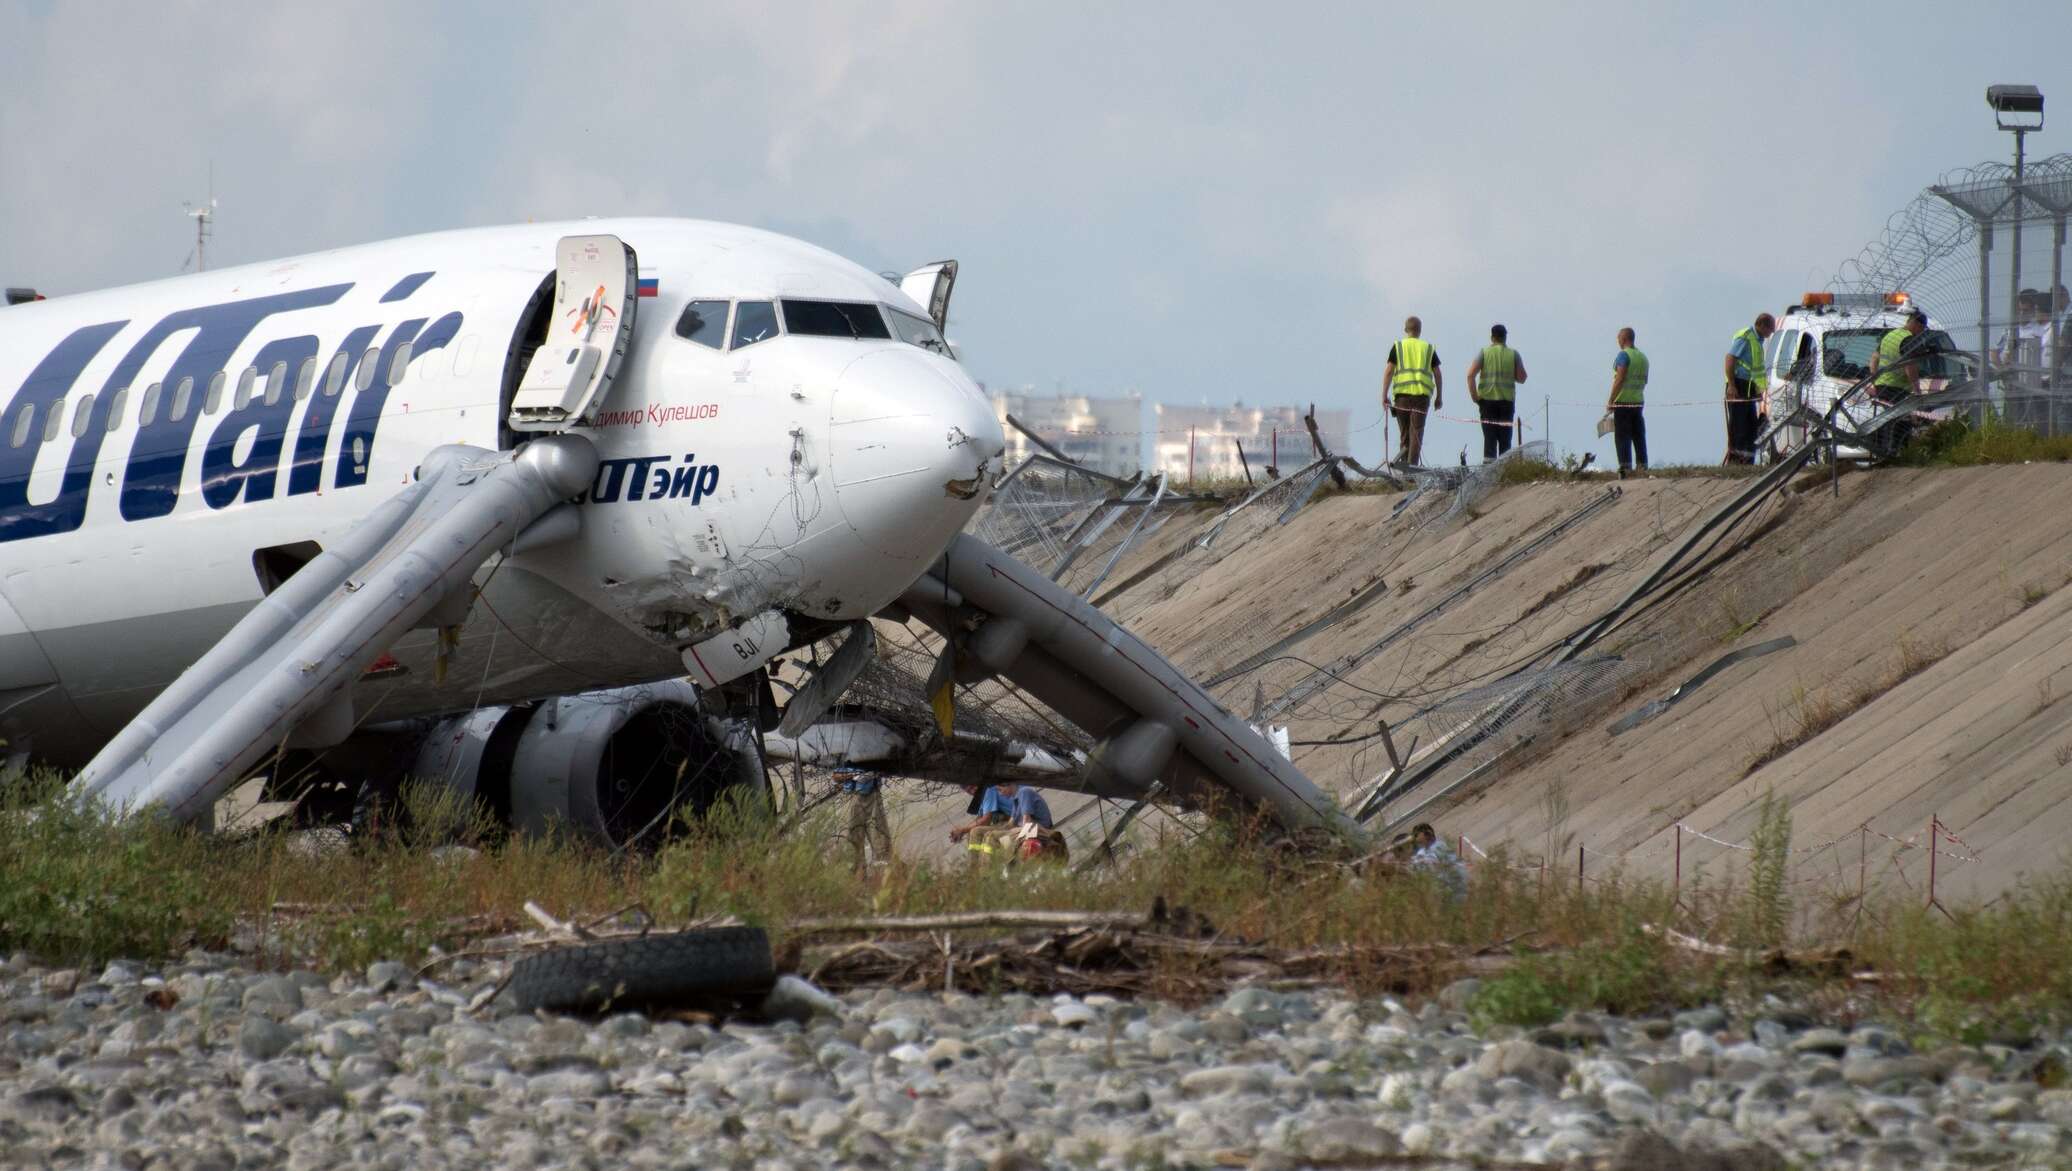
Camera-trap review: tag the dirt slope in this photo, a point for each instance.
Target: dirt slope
(1950, 577)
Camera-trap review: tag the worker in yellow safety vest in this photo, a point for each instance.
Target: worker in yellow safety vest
(1411, 387)
(1629, 391)
(1896, 378)
(1493, 379)
(1748, 381)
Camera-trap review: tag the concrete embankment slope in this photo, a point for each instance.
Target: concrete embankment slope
(1932, 675)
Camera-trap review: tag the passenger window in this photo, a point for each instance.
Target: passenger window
(368, 362)
(754, 321)
(917, 331)
(115, 407)
(53, 421)
(182, 395)
(245, 380)
(704, 322)
(1779, 351)
(334, 380)
(80, 415)
(399, 365)
(833, 319)
(212, 401)
(147, 412)
(305, 378)
(276, 381)
(22, 422)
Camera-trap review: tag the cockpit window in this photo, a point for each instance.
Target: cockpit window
(704, 322)
(834, 319)
(754, 321)
(917, 331)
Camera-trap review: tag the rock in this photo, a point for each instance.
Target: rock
(909, 1055)
(1645, 1150)
(1829, 1042)
(1664, 1078)
(274, 995)
(260, 1038)
(1455, 997)
(1398, 1092)
(1465, 1084)
(1254, 1006)
(117, 975)
(1226, 1079)
(574, 1082)
(1770, 1034)
(1877, 1071)
(1884, 1042)
(61, 983)
(1693, 1044)
(1418, 1139)
(1345, 1140)
(387, 975)
(1226, 1030)
(1073, 1015)
(1709, 1019)
(902, 1030)
(45, 1105)
(1523, 1059)
(793, 999)
(1628, 1102)
(1571, 1033)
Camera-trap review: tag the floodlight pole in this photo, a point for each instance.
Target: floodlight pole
(2014, 263)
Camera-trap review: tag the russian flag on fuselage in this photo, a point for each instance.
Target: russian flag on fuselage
(649, 287)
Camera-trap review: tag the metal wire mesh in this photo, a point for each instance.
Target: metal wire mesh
(1984, 256)
(1470, 732)
(1034, 512)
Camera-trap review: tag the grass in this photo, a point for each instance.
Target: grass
(78, 889)
(1808, 713)
(1958, 443)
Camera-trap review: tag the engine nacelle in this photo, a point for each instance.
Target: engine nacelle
(613, 766)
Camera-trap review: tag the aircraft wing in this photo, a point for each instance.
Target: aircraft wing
(283, 671)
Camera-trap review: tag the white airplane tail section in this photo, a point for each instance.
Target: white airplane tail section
(288, 663)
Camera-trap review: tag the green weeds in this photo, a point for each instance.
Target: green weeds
(78, 888)
(1960, 444)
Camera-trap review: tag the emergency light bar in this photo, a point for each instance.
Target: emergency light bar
(1852, 300)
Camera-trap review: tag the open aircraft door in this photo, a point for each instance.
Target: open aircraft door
(930, 285)
(596, 293)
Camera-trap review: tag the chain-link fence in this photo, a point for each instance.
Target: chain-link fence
(1983, 253)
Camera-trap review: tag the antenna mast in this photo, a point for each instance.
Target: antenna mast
(204, 217)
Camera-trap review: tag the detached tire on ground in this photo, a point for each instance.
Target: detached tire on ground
(652, 971)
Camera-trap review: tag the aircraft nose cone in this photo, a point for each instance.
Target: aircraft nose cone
(912, 446)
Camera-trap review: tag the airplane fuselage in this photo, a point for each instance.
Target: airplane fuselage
(168, 451)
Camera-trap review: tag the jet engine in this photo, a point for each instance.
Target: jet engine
(614, 766)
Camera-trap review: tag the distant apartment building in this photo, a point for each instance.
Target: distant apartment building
(1105, 434)
(1203, 441)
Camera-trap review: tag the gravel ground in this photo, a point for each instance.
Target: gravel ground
(208, 1064)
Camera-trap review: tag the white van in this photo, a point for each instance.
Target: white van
(1823, 346)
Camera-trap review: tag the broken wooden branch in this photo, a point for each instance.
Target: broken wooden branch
(975, 920)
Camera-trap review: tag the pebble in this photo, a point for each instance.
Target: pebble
(240, 1068)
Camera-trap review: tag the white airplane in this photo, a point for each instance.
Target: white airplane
(522, 478)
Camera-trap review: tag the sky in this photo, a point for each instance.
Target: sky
(1198, 202)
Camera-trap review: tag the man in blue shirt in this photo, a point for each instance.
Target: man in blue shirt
(994, 810)
(1025, 805)
(868, 826)
(1434, 857)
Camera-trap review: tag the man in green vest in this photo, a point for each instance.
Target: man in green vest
(1493, 379)
(1629, 387)
(1748, 381)
(1411, 380)
(1895, 379)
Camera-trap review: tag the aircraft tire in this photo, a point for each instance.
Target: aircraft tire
(650, 970)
